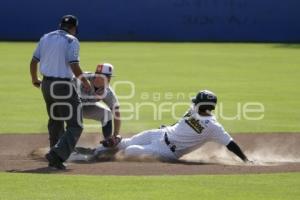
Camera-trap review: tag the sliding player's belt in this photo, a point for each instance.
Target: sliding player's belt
(168, 143)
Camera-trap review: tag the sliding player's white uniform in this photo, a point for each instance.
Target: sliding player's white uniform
(172, 142)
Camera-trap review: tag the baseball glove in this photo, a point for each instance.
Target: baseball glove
(112, 141)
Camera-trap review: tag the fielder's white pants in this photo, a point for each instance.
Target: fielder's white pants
(96, 112)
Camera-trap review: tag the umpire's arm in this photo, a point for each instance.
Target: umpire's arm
(79, 74)
(34, 65)
(33, 72)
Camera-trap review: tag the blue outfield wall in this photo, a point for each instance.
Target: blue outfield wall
(156, 20)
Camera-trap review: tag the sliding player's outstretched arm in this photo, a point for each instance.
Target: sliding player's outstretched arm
(234, 147)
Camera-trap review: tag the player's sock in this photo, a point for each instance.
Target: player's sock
(107, 129)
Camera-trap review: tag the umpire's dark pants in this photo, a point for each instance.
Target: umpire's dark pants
(63, 105)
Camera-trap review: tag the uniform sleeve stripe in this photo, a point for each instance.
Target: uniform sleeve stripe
(36, 58)
(73, 61)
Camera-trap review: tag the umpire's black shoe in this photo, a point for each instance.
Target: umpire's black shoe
(54, 161)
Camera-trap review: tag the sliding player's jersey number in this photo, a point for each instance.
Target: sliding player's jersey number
(194, 124)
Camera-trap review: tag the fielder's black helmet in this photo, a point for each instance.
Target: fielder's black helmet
(206, 100)
(67, 22)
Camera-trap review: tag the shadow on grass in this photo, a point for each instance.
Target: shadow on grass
(288, 45)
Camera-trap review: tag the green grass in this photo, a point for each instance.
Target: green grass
(266, 73)
(29, 186)
(238, 73)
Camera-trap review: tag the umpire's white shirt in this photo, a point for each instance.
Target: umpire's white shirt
(55, 52)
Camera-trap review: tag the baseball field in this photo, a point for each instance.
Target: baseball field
(258, 90)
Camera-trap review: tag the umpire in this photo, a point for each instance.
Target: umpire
(58, 55)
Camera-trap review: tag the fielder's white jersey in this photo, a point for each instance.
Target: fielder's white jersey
(193, 130)
(107, 94)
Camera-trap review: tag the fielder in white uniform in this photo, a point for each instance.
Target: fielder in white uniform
(197, 127)
(100, 92)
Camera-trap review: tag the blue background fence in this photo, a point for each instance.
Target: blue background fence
(156, 20)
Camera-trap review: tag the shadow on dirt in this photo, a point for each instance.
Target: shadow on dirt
(40, 170)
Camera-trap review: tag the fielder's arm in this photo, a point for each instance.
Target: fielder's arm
(117, 121)
(233, 147)
(33, 72)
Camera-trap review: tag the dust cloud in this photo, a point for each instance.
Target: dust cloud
(263, 152)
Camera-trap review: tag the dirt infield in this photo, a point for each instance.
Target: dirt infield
(272, 153)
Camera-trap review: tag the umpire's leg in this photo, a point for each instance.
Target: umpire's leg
(73, 112)
(56, 130)
(55, 127)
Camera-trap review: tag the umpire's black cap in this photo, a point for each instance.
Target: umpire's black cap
(68, 21)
